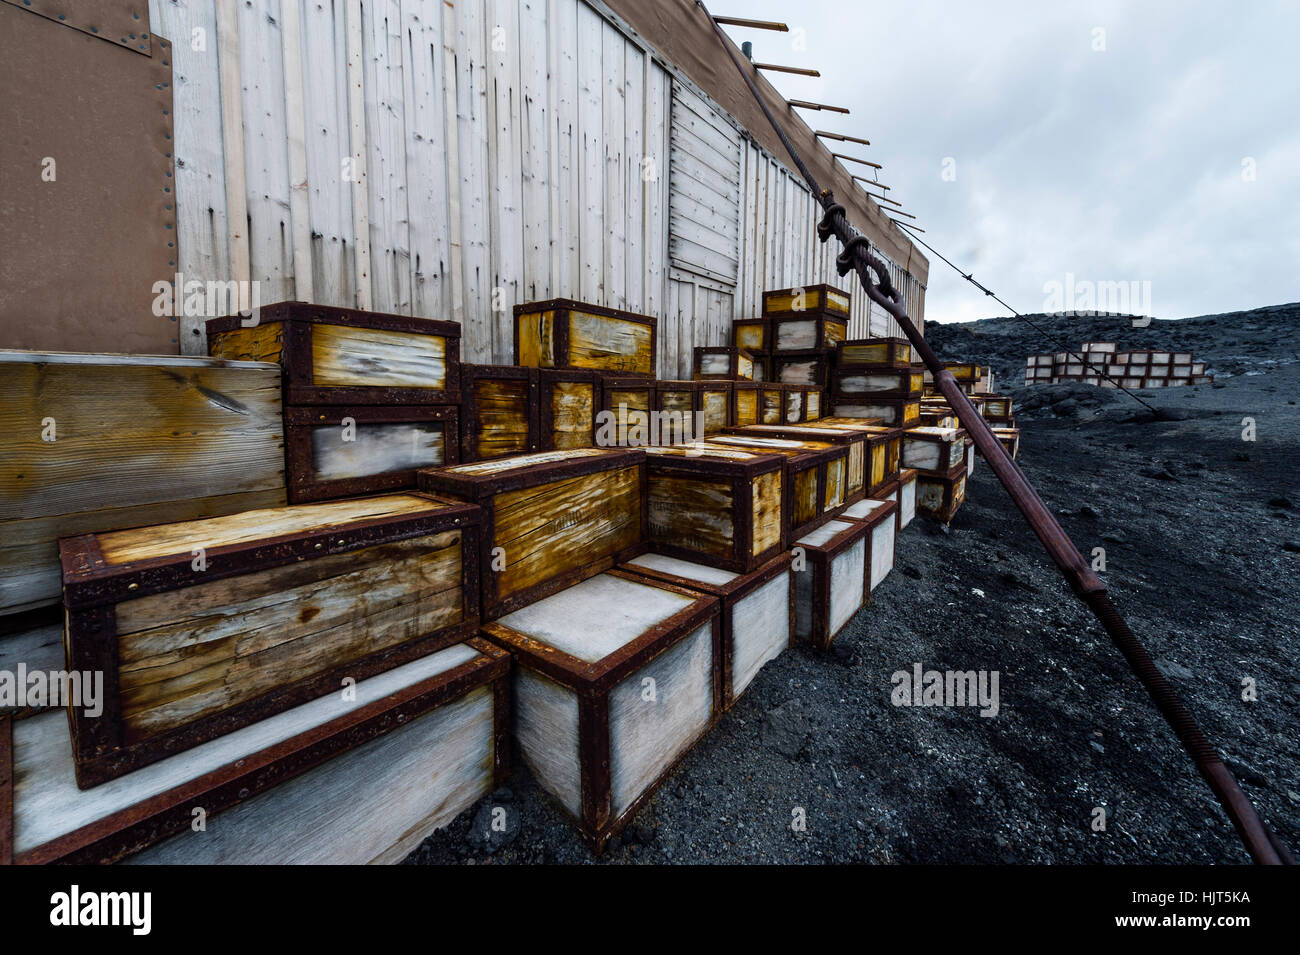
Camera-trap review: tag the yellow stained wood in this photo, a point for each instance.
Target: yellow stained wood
(525, 460)
(805, 496)
(691, 513)
(789, 302)
(715, 411)
(120, 547)
(834, 495)
(573, 414)
(502, 408)
(186, 654)
(553, 528)
(834, 332)
(744, 368)
(812, 405)
(878, 457)
(263, 342)
(837, 301)
(767, 511)
(865, 354)
(536, 339)
(857, 470)
(612, 344)
(751, 336)
(746, 407)
(670, 400)
(343, 356)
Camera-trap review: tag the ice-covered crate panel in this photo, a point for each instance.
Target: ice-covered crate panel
(205, 626)
(723, 363)
(808, 368)
(881, 380)
(757, 611)
(562, 333)
(881, 516)
(568, 401)
(97, 442)
(830, 579)
(894, 412)
(937, 450)
(333, 452)
(906, 497)
(719, 506)
(615, 679)
(344, 356)
(341, 779)
(549, 519)
(498, 414)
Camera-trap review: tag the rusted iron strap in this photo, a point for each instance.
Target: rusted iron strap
(1261, 843)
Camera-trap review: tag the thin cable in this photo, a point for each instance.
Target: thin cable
(1047, 336)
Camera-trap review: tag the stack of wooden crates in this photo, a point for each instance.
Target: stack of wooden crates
(328, 573)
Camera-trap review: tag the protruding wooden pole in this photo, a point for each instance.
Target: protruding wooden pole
(753, 24)
(842, 138)
(804, 104)
(801, 71)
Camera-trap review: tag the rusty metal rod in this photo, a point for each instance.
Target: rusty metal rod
(1263, 846)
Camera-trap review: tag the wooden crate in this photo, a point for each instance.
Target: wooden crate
(549, 519)
(707, 403)
(997, 408)
(205, 626)
(1010, 439)
(936, 450)
(772, 403)
(725, 507)
(857, 352)
(884, 448)
(939, 496)
(812, 404)
(746, 402)
(815, 476)
(615, 679)
(626, 404)
(880, 514)
(345, 356)
(333, 452)
(96, 442)
(830, 574)
(854, 439)
(562, 333)
(881, 381)
(793, 404)
(809, 368)
(757, 611)
(727, 362)
(903, 493)
(752, 334)
(498, 411)
(568, 401)
(813, 317)
(337, 780)
(894, 412)
(762, 366)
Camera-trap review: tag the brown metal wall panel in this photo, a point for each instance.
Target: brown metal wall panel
(122, 22)
(82, 252)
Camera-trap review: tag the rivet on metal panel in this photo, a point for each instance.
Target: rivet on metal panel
(132, 586)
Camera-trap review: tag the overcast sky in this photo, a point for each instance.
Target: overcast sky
(1170, 156)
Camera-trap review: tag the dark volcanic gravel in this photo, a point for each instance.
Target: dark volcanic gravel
(1201, 531)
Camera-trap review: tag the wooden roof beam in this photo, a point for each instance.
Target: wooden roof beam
(804, 104)
(753, 24)
(841, 137)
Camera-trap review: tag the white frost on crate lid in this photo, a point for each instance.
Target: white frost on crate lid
(824, 533)
(592, 619)
(715, 576)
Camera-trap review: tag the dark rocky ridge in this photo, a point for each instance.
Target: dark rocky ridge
(1202, 537)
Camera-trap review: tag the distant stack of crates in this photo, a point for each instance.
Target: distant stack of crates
(1102, 364)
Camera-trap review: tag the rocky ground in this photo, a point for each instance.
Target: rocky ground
(1201, 531)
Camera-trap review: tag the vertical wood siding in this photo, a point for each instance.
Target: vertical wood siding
(450, 160)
